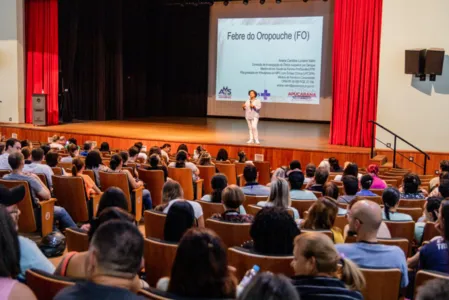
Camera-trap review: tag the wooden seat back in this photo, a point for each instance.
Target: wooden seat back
(263, 169)
(412, 203)
(43, 178)
(232, 234)
(89, 173)
(402, 243)
(71, 194)
(209, 208)
(45, 286)
(381, 284)
(400, 229)
(252, 200)
(65, 165)
(239, 167)
(378, 192)
(377, 199)
(153, 294)
(159, 257)
(207, 172)
(184, 177)
(229, 171)
(4, 172)
(154, 224)
(326, 232)
(317, 194)
(57, 170)
(340, 222)
(154, 180)
(415, 213)
(424, 275)
(429, 232)
(254, 209)
(243, 260)
(302, 206)
(76, 241)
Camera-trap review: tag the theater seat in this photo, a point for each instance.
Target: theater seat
(381, 284)
(46, 286)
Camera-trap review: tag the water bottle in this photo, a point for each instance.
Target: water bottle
(250, 274)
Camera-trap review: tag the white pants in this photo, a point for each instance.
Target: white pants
(252, 126)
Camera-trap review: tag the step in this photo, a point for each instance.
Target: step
(380, 160)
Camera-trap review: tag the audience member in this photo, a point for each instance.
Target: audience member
(113, 261)
(10, 260)
(155, 150)
(2, 148)
(37, 167)
(296, 180)
(242, 156)
(73, 151)
(335, 167)
(222, 155)
(58, 142)
(181, 162)
(183, 147)
(390, 198)
(269, 286)
(351, 168)
(279, 197)
(430, 214)
(25, 144)
(38, 191)
(86, 149)
(219, 182)
(410, 187)
(365, 218)
(125, 159)
(252, 187)
(46, 149)
(180, 218)
(156, 164)
(326, 165)
(133, 152)
(11, 146)
(104, 147)
(165, 151)
(351, 186)
(321, 175)
(201, 250)
(72, 141)
(436, 289)
(378, 183)
(436, 190)
(95, 163)
(330, 190)
(366, 182)
(142, 155)
(232, 198)
(116, 165)
(322, 215)
(26, 152)
(273, 232)
(317, 271)
(205, 159)
(30, 255)
(310, 173)
(89, 184)
(198, 151)
(294, 166)
(444, 167)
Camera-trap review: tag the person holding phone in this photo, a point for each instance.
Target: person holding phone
(252, 108)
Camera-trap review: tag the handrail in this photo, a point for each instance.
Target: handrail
(426, 156)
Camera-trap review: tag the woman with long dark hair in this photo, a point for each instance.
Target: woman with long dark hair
(219, 182)
(181, 162)
(390, 198)
(351, 168)
(77, 171)
(180, 218)
(95, 163)
(222, 155)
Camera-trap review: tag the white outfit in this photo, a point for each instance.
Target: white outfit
(197, 209)
(4, 164)
(56, 145)
(252, 117)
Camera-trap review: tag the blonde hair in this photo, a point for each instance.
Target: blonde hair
(322, 214)
(172, 190)
(232, 196)
(55, 138)
(205, 158)
(325, 164)
(280, 194)
(321, 247)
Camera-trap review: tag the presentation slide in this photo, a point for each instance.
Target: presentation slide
(280, 58)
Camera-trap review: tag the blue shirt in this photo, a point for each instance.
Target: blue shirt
(376, 256)
(255, 189)
(365, 193)
(302, 195)
(434, 256)
(32, 257)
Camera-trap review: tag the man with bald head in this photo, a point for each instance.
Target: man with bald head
(365, 218)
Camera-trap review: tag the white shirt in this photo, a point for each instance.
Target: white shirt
(252, 113)
(56, 145)
(165, 154)
(4, 164)
(189, 165)
(142, 155)
(37, 168)
(67, 159)
(197, 210)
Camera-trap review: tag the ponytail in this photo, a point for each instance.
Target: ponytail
(387, 212)
(116, 159)
(351, 275)
(77, 165)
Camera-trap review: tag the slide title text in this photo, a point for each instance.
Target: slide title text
(296, 35)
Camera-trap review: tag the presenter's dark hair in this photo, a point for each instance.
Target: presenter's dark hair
(249, 92)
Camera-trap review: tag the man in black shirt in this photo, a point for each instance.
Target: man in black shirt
(114, 259)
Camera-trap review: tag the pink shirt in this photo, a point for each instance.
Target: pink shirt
(6, 285)
(378, 183)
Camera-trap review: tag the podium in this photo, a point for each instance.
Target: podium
(39, 102)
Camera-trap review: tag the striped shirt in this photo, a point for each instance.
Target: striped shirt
(317, 288)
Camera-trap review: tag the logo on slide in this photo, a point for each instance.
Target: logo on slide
(302, 95)
(265, 94)
(225, 93)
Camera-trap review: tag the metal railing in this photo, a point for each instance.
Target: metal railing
(373, 138)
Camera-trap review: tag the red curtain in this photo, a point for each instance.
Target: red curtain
(357, 30)
(41, 21)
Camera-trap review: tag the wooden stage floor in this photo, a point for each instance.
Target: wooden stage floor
(280, 141)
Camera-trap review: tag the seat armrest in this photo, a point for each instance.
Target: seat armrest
(240, 178)
(138, 194)
(95, 202)
(199, 188)
(47, 215)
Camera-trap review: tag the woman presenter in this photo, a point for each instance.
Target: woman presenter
(252, 108)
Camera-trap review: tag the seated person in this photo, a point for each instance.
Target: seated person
(296, 180)
(270, 286)
(436, 289)
(351, 186)
(410, 187)
(252, 187)
(331, 191)
(89, 184)
(351, 168)
(444, 167)
(273, 232)
(294, 166)
(165, 152)
(201, 250)
(205, 159)
(436, 190)
(58, 142)
(222, 156)
(390, 198)
(37, 167)
(142, 155)
(378, 183)
(51, 159)
(198, 151)
(180, 218)
(243, 158)
(310, 173)
(321, 175)
(232, 198)
(94, 162)
(10, 288)
(11, 146)
(125, 157)
(171, 193)
(104, 147)
(181, 162)
(365, 218)
(317, 274)
(133, 152)
(430, 214)
(38, 191)
(156, 164)
(279, 197)
(335, 167)
(112, 263)
(366, 182)
(73, 151)
(30, 255)
(86, 149)
(218, 182)
(26, 152)
(322, 216)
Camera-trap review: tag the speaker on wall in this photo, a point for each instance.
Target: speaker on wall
(415, 60)
(434, 61)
